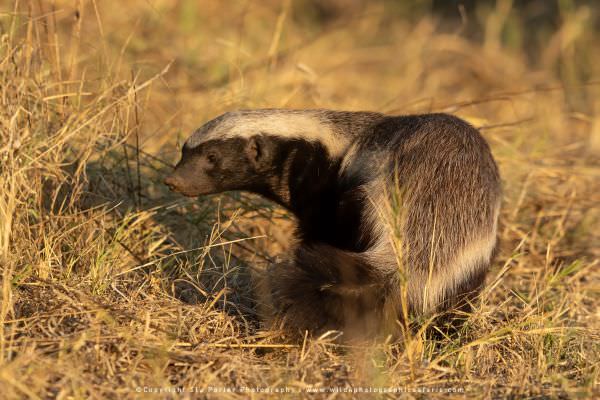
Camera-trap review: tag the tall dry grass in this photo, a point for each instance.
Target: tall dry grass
(110, 283)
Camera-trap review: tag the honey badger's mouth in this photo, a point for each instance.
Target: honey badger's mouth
(187, 194)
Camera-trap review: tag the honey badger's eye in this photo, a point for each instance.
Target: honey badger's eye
(212, 158)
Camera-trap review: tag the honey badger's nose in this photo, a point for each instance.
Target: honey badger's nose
(172, 182)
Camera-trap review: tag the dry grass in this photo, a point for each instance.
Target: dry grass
(110, 283)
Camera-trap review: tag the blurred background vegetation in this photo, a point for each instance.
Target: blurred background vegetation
(110, 282)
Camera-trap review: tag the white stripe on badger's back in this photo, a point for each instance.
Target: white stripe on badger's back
(469, 260)
(292, 124)
(467, 263)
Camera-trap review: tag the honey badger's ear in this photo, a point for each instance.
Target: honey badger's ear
(258, 151)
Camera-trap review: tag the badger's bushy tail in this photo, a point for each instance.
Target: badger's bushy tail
(325, 288)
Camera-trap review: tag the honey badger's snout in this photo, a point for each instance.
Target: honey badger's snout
(190, 177)
(177, 183)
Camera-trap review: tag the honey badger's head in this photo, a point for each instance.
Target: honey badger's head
(220, 165)
(252, 150)
(224, 154)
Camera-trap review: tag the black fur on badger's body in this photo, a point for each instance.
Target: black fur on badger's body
(395, 213)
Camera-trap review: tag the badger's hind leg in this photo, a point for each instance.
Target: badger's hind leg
(324, 288)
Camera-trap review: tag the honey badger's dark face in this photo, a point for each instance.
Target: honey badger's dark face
(220, 165)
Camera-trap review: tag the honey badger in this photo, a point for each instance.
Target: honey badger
(396, 215)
